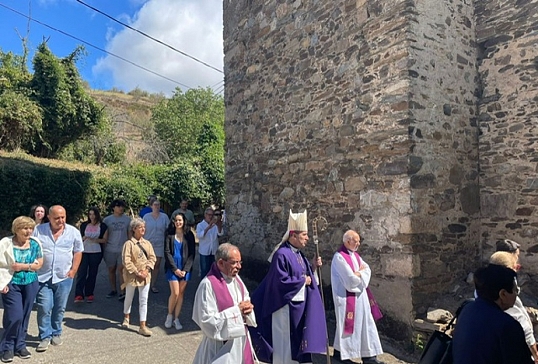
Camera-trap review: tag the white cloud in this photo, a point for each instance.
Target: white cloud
(192, 26)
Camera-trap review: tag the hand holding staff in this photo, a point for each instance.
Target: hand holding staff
(318, 263)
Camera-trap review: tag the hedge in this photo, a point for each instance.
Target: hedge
(26, 181)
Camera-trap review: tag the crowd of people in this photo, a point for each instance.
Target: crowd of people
(44, 257)
(282, 321)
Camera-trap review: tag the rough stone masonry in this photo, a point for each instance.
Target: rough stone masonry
(413, 122)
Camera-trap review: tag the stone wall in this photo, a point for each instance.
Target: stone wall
(507, 38)
(365, 112)
(445, 192)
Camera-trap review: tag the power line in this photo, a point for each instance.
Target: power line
(94, 46)
(218, 83)
(150, 37)
(219, 89)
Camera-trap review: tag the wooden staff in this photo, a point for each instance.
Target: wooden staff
(316, 241)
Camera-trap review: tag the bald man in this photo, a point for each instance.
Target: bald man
(62, 252)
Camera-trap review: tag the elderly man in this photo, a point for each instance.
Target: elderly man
(208, 232)
(222, 308)
(62, 252)
(356, 333)
(484, 334)
(287, 303)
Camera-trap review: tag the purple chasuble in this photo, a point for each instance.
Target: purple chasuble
(308, 327)
(350, 296)
(225, 301)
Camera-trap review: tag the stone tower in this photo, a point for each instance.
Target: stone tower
(405, 120)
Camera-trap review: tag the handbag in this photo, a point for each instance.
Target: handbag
(374, 307)
(438, 349)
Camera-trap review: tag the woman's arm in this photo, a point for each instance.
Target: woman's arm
(169, 252)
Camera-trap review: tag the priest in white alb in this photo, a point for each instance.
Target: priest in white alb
(356, 333)
(222, 309)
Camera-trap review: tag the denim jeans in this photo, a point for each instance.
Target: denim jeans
(51, 302)
(205, 264)
(18, 303)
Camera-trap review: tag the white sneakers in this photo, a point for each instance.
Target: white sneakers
(168, 322)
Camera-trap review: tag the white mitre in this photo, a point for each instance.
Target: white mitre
(296, 222)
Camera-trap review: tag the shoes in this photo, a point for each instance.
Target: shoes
(336, 354)
(111, 294)
(372, 360)
(7, 356)
(79, 299)
(125, 323)
(121, 297)
(177, 324)
(23, 353)
(56, 340)
(168, 322)
(144, 331)
(89, 299)
(154, 290)
(43, 345)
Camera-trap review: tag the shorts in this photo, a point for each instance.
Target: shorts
(112, 259)
(172, 277)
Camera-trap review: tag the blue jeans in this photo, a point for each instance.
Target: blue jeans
(51, 302)
(205, 264)
(18, 303)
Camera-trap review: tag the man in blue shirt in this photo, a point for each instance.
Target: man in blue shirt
(62, 252)
(484, 333)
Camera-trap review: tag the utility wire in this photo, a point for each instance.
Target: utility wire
(218, 83)
(150, 37)
(93, 46)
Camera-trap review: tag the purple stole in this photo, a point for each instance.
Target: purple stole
(224, 301)
(350, 296)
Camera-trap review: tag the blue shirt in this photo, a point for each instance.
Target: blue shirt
(57, 255)
(26, 256)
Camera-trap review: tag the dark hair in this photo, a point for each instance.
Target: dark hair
(490, 280)
(32, 212)
(97, 214)
(172, 226)
(117, 202)
(506, 245)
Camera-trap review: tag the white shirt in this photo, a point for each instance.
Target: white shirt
(208, 243)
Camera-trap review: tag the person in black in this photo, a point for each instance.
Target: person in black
(94, 235)
(484, 333)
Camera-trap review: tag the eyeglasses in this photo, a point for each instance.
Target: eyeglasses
(217, 214)
(234, 263)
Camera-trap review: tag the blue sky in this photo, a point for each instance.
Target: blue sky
(192, 26)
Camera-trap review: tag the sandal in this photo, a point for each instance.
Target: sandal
(154, 290)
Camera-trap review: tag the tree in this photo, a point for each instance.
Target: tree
(191, 127)
(68, 111)
(20, 116)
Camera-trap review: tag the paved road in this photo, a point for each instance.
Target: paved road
(92, 332)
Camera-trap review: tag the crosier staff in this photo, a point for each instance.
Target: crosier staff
(316, 243)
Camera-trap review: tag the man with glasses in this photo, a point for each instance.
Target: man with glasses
(222, 308)
(484, 334)
(208, 232)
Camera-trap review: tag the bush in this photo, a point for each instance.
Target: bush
(27, 181)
